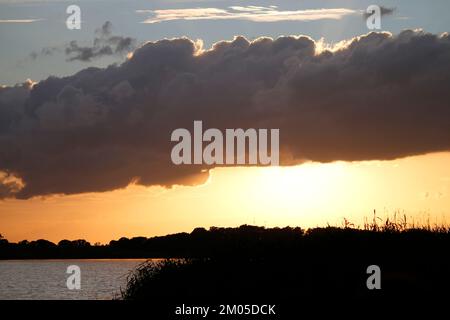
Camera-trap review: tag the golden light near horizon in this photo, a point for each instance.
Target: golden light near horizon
(307, 195)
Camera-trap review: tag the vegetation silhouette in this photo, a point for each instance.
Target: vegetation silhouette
(290, 263)
(270, 263)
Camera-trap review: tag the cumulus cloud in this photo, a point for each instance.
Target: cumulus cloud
(378, 97)
(250, 13)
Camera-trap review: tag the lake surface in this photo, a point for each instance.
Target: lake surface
(46, 279)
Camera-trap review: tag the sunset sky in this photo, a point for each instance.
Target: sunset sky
(364, 119)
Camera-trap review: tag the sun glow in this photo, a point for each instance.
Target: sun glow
(306, 195)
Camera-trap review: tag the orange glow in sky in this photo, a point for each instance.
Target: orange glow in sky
(306, 195)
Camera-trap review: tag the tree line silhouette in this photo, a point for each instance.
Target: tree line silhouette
(199, 243)
(244, 241)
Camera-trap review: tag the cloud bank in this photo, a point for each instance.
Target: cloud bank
(377, 97)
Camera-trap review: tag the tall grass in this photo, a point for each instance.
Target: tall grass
(320, 260)
(399, 223)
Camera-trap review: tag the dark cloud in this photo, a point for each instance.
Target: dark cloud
(379, 97)
(44, 52)
(385, 11)
(104, 44)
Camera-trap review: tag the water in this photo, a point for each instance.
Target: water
(46, 279)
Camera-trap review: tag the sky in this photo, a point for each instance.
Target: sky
(84, 153)
(49, 30)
